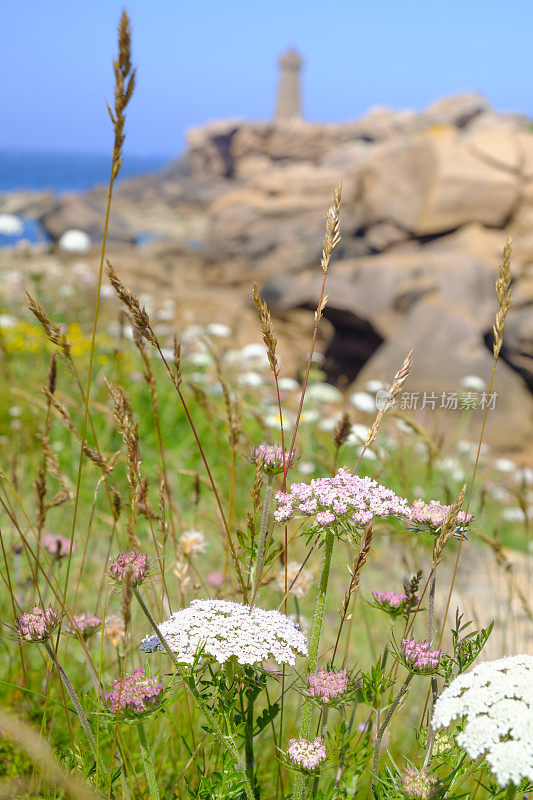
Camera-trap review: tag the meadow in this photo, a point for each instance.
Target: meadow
(223, 581)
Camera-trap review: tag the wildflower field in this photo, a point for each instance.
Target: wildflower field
(223, 581)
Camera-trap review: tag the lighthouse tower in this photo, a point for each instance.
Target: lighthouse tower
(289, 100)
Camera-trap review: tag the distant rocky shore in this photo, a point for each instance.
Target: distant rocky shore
(429, 200)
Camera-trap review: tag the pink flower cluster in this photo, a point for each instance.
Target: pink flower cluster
(307, 753)
(56, 544)
(270, 457)
(344, 498)
(420, 784)
(130, 568)
(391, 602)
(83, 624)
(418, 657)
(327, 685)
(38, 624)
(434, 513)
(135, 694)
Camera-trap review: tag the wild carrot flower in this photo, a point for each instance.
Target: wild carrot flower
(115, 630)
(420, 784)
(84, 624)
(38, 624)
(222, 630)
(135, 695)
(193, 543)
(418, 657)
(307, 753)
(344, 499)
(270, 458)
(496, 698)
(326, 684)
(393, 603)
(301, 585)
(130, 568)
(56, 544)
(434, 514)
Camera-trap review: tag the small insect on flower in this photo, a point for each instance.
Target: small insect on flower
(270, 458)
(327, 685)
(135, 696)
(418, 657)
(297, 584)
(193, 543)
(420, 784)
(393, 603)
(84, 624)
(57, 545)
(307, 754)
(37, 625)
(115, 631)
(130, 568)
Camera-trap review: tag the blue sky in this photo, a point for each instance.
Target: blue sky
(209, 59)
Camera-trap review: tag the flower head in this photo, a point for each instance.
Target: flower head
(419, 658)
(223, 630)
(431, 516)
(115, 630)
(393, 603)
(345, 499)
(420, 784)
(37, 625)
(193, 543)
(84, 624)
(56, 544)
(130, 568)
(302, 582)
(135, 695)
(326, 685)
(270, 458)
(496, 698)
(307, 754)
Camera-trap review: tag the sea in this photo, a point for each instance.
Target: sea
(59, 173)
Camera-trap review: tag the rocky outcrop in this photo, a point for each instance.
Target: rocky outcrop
(72, 211)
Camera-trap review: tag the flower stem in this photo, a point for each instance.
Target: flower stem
(259, 562)
(381, 732)
(148, 763)
(511, 792)
(78, 707)
(249, 742)
(226, 740)
(314, 642)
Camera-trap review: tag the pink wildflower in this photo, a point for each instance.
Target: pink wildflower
(270, 458)
(83, 624)
(393, 603)
(135, 694)
(345, 498)
(305, 753)
(434, 513)
(38, 624)
(215, 579)
(130, 568)
(326, 685)
(420, 784)
(56, 544)
(418, 657)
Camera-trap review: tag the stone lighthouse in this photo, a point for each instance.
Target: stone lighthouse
(289, 99)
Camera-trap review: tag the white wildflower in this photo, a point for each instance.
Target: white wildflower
(496, 698)
(472, 383)
(252, 379)
(219, 330)
(288, 385)
(301, 585)
(363, 402)
(223, 630)
(193, 543)
(75, 241)
(323, 393)
(504, 465)
(374, 386)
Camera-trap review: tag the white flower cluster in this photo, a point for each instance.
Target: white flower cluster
(225, 629)
(496, 698)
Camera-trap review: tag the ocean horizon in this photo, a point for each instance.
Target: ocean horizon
(66, 172)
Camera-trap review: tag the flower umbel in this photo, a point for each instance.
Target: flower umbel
(38, 624)
(307, 754)
(326, 685)
(84, 624)
(115, 630)
(420, 784)
(496, 698)
(302, 582)
(56, 544)
(223, 630)
(270, 458)
(135, 695)
(345, 499)
(419, 658)
(130, 568)
(432, 516)
(193, 543)
(393, 603)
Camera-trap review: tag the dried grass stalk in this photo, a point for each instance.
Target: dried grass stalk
(267, 330)
(448, 529)
(395, 388)
(124, 86)
(503, 293)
